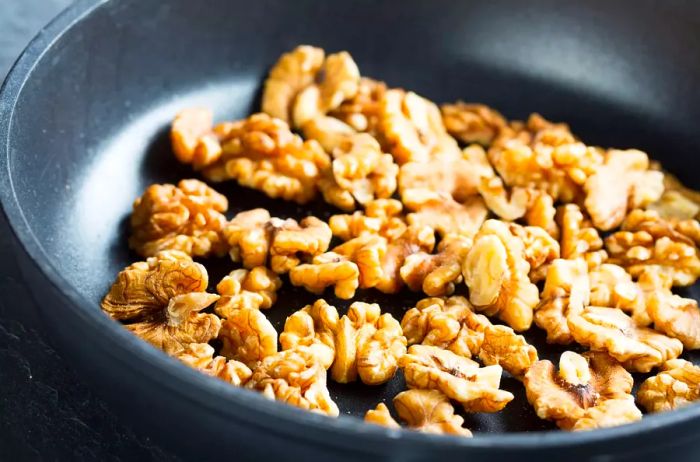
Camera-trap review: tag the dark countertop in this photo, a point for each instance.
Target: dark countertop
(46, 411)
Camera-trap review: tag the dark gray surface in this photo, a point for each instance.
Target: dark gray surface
(46, 412)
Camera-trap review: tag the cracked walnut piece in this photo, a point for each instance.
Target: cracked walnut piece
(427, 411)
(368, 344)
(200, 356)
(442, 213)
(187, 217)
(254, 236)
(578, 237)
(639, 349)
(646, 239)
(294, 377)
(325, 270)
(539, 249)
(612, 286)
(436, 274)
(247, 336)
(314, 327)
(503, 347)
(476, 388)
(496, 273)
(256, 289)
(472, 123)
(587, 391)
(362, 111)
(677, 385)
(165, 295)
(381, 216)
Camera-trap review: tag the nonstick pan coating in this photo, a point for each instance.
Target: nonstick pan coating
(83, 129)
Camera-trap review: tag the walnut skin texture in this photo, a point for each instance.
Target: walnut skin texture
(247, 336)
(368, 345)
(313, 326)
(503, 347)
(586, 392)
(381, 216)
(294, 377)
(578, 238)
(326, 270)
(427, 411)
(677, 385)
(476, 389)
(162, 299)
(256, 288)
(362, 111)
(472, 123)
(436, 274)
(187, 217)
(201, 356)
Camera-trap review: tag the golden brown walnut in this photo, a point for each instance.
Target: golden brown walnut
(412, 128)
(677, 385)
(295, 377)
(381, 216)
(542, 213)
(566, 290)
(427, 411)
(256, 289)
(338, 79)
(190, 134)
(544, 156)
(362, 111)
(314, 327)
(539, 249)
(247, 336)
(255, 237)
(414, 239)
(329, 132)
(293, 72)
(503, 347)
(639, 349)
(475, 388)
(165, 294)
(587, 391)
(436, 274)
(442, 213)
(367, 252)
(200, 356)
(359, 174)
(496, 272)
(187, 217)
(613, 287)
(261, 152)
(578, 237)
(673, 315)
(368, 344)
(623, 181)
(673, 205)
(325, 270)
(472, 123)
(646, 239)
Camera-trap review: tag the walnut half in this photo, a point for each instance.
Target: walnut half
(677, 385)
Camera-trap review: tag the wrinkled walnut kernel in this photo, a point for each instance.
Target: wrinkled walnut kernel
(255, 289)
(381, 216)
(539, 249)
(187, 217)
(578, 238)
(190, 136)
(586, 391)
(314, 327)
(436, 274)
(472, 123)
(200, 356)
(677, 385)
(328, 131)
(502, 346)
(247, 336)
(325, 270)
(444, 214)
(613, 287)
(362, 111)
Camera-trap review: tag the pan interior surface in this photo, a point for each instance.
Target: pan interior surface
(90, 127)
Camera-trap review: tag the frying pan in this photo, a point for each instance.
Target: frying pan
(84, 116)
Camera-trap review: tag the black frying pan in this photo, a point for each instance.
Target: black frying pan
(83, 130)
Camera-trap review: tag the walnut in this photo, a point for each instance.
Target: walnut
(610, 329)
(566, 289)
(448, 323)
(507, 205)
(381, 216)
(261, 152)
(368, 344)
(412, 128)
(542, 213)
(314, 327)
(436, 274)
(623, 181)
(677, 385)
(165, 294)
(192, 138)
(502, 346)
(360, 173)
(247, 336)
(367, 252)
(578, 238)
(613, 287)
(539, 248)
(646, 239)
(337, 80)
(496, 273)
(253, 236)
(200, 356)
(586, 392)
(414, 239)
(476, 389)
(329, 132)
(293, 72)
(441, 212)
(362, 111)
(427, 411)
(256, 289)
(472, 123)
(673, 205)
(295, 377)
(325, 270)
(187, 217)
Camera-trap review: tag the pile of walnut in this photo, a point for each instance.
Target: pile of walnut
(436, 200)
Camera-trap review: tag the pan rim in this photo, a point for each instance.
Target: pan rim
(190, 385)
